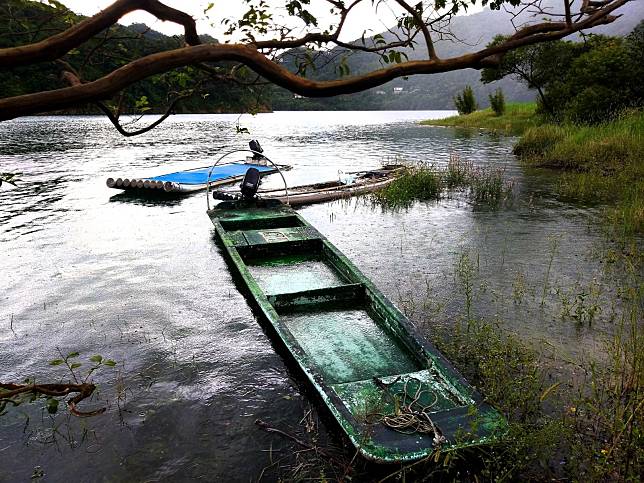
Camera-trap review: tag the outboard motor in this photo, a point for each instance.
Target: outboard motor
(250, 185)
(255, 146)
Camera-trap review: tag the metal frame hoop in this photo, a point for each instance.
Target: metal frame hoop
(242, 151)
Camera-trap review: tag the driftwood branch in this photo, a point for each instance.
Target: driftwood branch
(84, 391)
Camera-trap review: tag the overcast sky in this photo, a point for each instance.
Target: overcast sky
(361, 18)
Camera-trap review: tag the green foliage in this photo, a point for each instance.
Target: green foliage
(587, 82)
(31, 391)
(465, 102)
(68, 361)
(425, 183)
(497, 102)
(514, 381)
(422, 183)
(599, 83)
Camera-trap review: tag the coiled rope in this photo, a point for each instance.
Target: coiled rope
(410, 416)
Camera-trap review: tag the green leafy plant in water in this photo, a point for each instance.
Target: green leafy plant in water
(421, 183)
(458, 172)
(30, 390)
(72, 364)
(427, 182)
(513, 380)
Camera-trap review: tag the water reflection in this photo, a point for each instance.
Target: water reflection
(151, 199)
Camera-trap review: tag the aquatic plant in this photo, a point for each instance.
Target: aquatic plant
(457, 173)
(417, 183)
(427, 183)
(30, 390)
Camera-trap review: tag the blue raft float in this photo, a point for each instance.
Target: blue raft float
(197, 179)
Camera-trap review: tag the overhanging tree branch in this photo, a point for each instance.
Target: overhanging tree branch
(58, 45)
(114, 120)
(254, 57)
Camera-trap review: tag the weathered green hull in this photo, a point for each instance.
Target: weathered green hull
(360, 353)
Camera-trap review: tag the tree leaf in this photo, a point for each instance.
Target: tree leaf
(97, 358)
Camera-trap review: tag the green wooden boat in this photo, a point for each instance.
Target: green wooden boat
(394, 395)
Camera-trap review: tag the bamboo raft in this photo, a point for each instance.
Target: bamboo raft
(192, 180)
(393, 394)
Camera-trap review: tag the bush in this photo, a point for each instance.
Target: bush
(599, 83)
(497, 102)
(593, 105)
(537, 141)
(465, 101)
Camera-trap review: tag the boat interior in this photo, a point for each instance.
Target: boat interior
(352, 342)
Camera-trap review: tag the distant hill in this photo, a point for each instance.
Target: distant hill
(436, 91)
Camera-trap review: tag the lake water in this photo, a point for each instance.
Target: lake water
(144, 283)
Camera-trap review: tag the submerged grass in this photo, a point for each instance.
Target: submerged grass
(517, 118)
(583, 421)
(579, 420)
(603, 163)
(425, 182)
(422, 183)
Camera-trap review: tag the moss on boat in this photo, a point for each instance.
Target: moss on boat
(394, 395)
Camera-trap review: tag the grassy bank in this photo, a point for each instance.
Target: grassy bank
(603, 163)
(517, 118)
(600, 164)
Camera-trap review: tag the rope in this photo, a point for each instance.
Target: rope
(410, 416)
